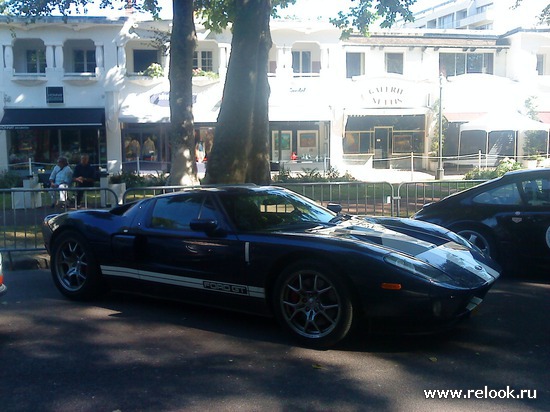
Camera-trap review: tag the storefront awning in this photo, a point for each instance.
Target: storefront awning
(47, 118)
(495, 121)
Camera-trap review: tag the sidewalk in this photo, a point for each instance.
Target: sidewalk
(364, 174)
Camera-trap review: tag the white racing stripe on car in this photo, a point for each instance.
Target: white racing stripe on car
(460, 256)
(187, 282)
(121, 272)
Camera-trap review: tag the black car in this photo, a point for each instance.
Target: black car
(507, 218)
(268, 250)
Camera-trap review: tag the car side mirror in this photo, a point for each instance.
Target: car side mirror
(334, 207)
(208, 226)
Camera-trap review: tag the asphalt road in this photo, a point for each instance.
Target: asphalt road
(128, 353)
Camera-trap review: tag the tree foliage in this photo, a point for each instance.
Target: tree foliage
(544, 16)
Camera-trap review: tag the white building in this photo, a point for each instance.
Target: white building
(498, 15)
(79, 87)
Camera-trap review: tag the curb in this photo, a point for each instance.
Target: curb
(25, 261)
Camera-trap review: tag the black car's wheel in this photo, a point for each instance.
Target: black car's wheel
(74, 269)
(479, 238)
(313, 304)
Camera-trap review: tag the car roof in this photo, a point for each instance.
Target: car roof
(528, 171)
(239, 189)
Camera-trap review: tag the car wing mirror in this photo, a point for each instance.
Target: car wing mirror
(208, 226)
(334, 207)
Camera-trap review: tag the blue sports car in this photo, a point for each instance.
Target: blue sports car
(267, 250)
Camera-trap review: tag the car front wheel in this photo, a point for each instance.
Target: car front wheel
(74, 268)
(313, 304)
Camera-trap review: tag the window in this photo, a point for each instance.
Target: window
(408, 141)
(537, 192)
(484, 8)
(144, 58)
(455, 64)
(461, 14)
(301, 62)
(176, 212)
(354, 64)
(394, 63)
(203, 60)
(446, 22)
(540, 64)
(36, 61)
(84, 61)
(503, 195)
(358, 142)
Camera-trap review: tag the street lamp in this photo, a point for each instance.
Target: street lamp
(440, 172)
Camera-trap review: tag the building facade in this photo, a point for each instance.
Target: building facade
(100, 86)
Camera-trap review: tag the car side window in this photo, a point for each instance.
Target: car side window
(502, 195)
(537, 192)
(176, 212)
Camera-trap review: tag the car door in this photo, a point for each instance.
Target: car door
(531, 224)
(522, 216)
(170, 252)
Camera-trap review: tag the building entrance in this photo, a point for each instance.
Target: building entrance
(382, 137)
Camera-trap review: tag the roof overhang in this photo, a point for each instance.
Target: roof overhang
(43, 118)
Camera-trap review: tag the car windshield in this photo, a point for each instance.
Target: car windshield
(273, 210)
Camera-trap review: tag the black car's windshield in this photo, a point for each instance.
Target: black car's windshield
(273, 210)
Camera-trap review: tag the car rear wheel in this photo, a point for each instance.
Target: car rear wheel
(313, 304)
(74, 268)
(479, 238)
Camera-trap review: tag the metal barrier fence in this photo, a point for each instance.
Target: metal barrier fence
(360, 198)
(23, 210)
(411, 196)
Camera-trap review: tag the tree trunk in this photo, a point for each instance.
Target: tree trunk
(240, 150)
(183, 170)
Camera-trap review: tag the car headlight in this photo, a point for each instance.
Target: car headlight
(418, 268)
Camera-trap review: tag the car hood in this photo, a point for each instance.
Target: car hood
(428, 243)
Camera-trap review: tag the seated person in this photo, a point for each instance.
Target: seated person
(84, 175)
(61, 177)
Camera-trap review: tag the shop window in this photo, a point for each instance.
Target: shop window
(84, 61)
(36, 61)
(355, 64)
(203, 60)
(407, 142)
(394, 63)
(144, 58)
(402, 143)
(358, 142)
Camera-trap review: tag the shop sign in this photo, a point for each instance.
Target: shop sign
(54, 94)
(385, 96)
